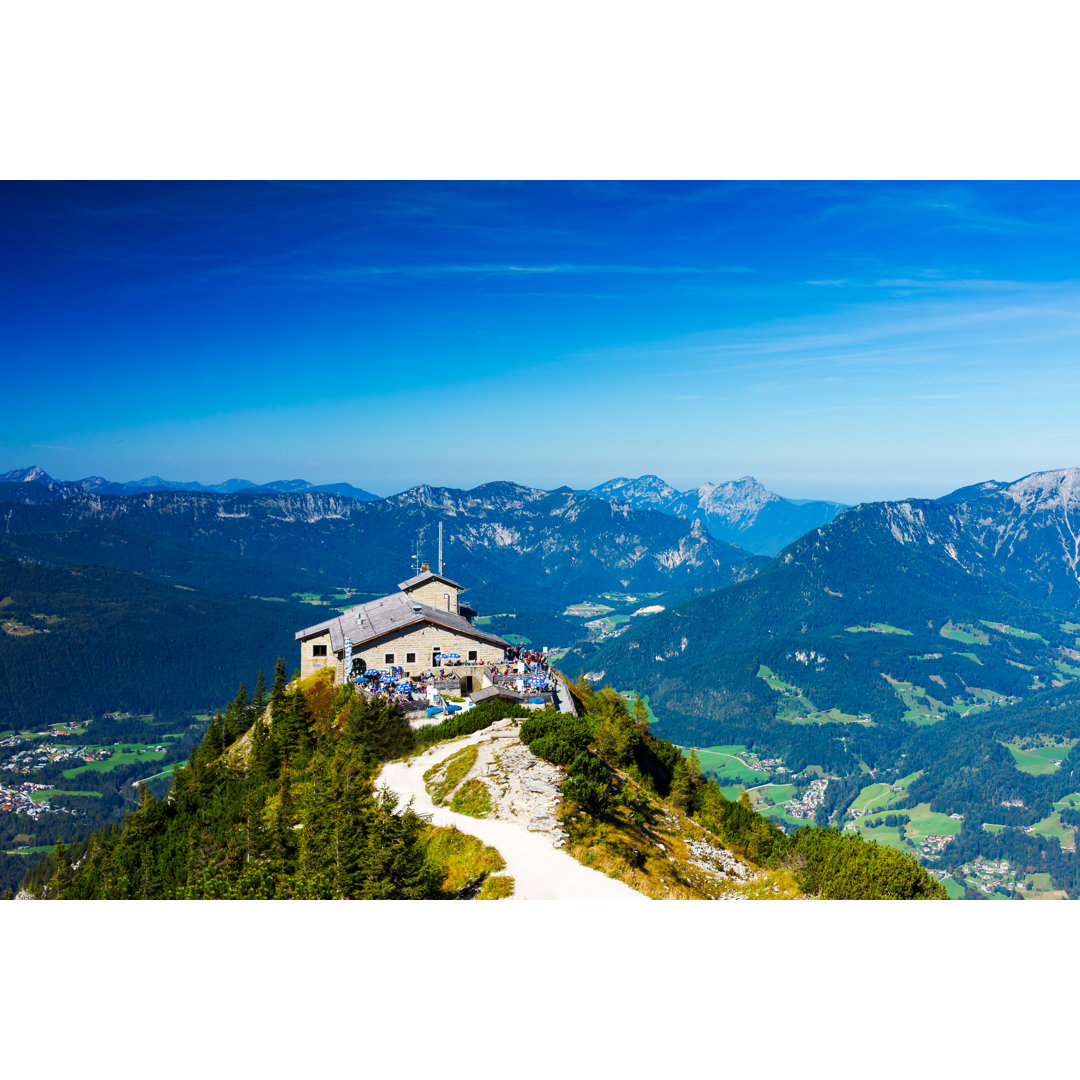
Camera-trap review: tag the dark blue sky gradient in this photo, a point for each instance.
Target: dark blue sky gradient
(837, 340)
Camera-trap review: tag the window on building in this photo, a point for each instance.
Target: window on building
(389, 658)
(318, 650)
(410, 658)
(472, 654)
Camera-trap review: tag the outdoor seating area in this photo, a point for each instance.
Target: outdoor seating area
(526, 671)
(424, 697)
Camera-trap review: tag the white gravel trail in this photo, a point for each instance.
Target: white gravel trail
(540, 871)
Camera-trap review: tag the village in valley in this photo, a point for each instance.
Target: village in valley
(26, 754)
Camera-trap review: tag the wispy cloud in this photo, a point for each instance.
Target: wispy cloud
(979, 334)
(934, 281)
(946, 206)
(342, 274)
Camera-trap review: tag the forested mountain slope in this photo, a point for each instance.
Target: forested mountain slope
(79, 641)
(932, 644)
(279, 802)
(510, 544)
(811, 615)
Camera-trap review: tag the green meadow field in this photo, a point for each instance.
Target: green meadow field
(724, 763)
(44, 796)
(969, 636)
(871, 795)
(921, 821)
(1013, 631)
(952, 887)
(1039, 760)
(879, 797)
(127, 754)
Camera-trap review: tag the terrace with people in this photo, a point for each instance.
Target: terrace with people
(524, 676)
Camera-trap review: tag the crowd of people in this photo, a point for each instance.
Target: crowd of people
(528, 666)
(396, 684)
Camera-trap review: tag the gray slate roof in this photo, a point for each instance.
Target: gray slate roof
(366, 623)
(424, 578)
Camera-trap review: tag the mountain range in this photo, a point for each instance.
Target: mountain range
(100, 486)
(994, 555)
(741, 512)
(513, 545)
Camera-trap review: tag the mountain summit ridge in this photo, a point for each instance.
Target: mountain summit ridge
(742, 511)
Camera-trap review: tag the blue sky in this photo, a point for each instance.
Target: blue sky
(851, 341)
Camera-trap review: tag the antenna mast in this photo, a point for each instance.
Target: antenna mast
(440, 549)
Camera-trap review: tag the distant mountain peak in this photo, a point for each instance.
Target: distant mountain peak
(742, 511)
(1046, 490)
(737, 501)
(34, 475)
(643, 491)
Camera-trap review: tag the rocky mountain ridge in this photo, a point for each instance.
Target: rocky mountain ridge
(512, 543)
(739, 511)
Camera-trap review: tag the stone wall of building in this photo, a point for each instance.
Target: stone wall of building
(420, 641)
(436, 594)
(310, 663)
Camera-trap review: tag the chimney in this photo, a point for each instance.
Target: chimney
(424, 568)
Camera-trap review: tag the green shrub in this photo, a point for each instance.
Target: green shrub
(556, 737)
(554, 749)
(588, 767)
(470, 720)
(588, 794)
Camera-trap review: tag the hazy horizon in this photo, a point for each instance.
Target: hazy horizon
(384, 492)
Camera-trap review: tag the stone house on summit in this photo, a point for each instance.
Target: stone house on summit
(415, 629)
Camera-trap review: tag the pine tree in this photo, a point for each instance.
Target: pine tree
(61, 881)
(258, 701)
(213, 741)
(640, 714)
(263, 759)
(284, 838)
(291, 726)
(693, 765)
(278, 693)
(681, 786)
(236, 718)
(587, 694)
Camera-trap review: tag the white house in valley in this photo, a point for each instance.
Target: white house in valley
(415, 629)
